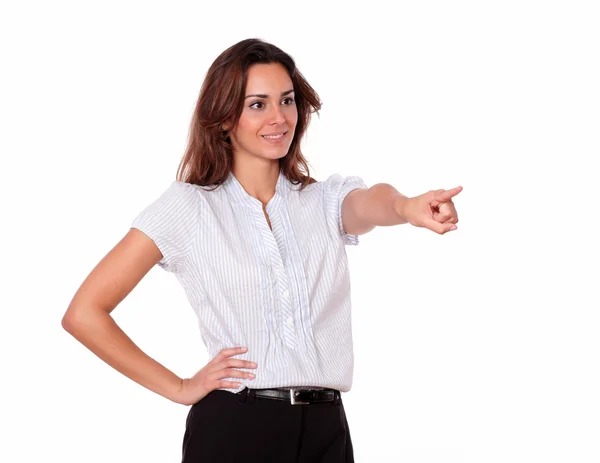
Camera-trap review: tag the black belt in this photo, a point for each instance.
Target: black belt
(297, 395)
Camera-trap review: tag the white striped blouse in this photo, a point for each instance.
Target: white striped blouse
(283, 292)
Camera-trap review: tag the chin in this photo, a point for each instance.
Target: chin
(274, 154)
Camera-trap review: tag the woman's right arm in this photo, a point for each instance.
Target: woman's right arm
(88, 316)
(88, 319)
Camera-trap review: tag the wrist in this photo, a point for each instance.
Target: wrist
(400, 207)
(175, 390)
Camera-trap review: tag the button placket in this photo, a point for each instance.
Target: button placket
(275, 249)
(299, 277)
(281, 312)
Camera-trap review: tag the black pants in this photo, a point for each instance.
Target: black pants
(226, 427)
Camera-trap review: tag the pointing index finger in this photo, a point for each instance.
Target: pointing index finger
(446, 195)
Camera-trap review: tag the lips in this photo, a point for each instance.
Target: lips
(274, 136)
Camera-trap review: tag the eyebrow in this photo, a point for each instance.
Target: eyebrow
(262, 95)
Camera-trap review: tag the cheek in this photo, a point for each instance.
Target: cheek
(248, 126)
(292, 117)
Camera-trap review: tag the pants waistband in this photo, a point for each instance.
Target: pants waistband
(294, 395)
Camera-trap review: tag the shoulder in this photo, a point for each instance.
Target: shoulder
(182, 194)
(179, 201)
(172, 222)
(321, 185)
(185, 189)
(337, 184)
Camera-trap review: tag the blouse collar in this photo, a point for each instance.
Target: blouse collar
(238, 194)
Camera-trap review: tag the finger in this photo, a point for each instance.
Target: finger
(231, 373)
(451, 220)
(446, 213)
(228, 352)
(453, 217)
(236, 363)
(443, 218)
(228, 384)
(442, 196)
(437, 227)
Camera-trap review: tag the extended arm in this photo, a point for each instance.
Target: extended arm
(383, 205)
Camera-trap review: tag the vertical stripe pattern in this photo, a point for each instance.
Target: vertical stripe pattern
(284, 292)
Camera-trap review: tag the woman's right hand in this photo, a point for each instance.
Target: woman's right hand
(211, 376)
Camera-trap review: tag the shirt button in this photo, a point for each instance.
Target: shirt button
(286, 293)
(289, 320)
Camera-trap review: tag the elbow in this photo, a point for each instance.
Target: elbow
(70, 321)
(77, 319)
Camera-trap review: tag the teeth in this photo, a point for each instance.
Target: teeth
(273, 136)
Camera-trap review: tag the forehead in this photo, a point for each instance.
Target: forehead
(268, 79)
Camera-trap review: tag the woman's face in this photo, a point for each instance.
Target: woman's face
(268, 121)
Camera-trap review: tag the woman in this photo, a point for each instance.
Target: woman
(258, 246)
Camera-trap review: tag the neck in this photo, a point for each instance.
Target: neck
(258, 178)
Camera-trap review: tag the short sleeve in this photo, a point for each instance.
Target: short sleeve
(172, 221)
(336, 188)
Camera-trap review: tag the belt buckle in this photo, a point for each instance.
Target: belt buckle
(293, 399)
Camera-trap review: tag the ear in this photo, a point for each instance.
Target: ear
(225, 126)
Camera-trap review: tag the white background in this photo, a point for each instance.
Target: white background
(478, 346)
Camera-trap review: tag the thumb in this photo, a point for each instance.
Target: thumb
(437, 227)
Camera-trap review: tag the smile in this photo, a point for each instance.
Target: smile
(278, 136)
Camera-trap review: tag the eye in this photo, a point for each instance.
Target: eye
(253, 105)
(290, 101)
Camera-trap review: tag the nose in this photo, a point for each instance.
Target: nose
(276, 115)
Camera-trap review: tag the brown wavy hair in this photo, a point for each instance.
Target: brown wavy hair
(208, 157)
